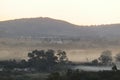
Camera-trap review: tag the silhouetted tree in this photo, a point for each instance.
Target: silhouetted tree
(62, 57)
(106, 57)
(114, 68)
(117, 57)
(95, 61)
(42, 60)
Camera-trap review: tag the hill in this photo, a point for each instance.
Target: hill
(48, 27)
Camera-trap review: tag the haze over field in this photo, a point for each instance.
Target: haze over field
(59, 24)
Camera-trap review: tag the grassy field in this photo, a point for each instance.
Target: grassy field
(67, 75)
(84, 75)
(23, 76)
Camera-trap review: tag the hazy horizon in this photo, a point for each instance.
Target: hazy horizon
(60, 20)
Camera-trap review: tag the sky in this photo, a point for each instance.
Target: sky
(80, 12)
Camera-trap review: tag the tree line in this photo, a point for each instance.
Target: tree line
(106, 58)
(51, 60)
(38, 60)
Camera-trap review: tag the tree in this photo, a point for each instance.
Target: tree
(106, 57)
(51, 59)
(22, 64)
(62, 57)
(42, 60)
(95, 61)
(117, 57)
(30, 55)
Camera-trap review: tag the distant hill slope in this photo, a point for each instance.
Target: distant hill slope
(44, 27)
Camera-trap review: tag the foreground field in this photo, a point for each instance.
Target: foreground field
(22, 76)
(83, 75)
(67, 75)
